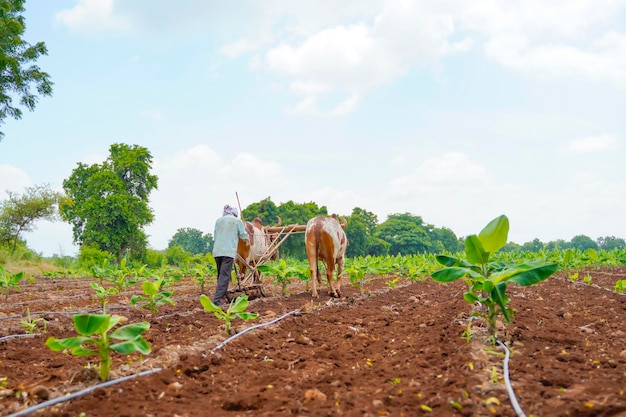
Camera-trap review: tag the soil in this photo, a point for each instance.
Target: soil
(403, 348)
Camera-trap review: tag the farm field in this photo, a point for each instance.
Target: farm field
(405, 349)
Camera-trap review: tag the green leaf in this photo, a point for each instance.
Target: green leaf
(151, 288)
(208, 305)
(247, 316)
(58, 345)
(494, 235)
(83, 351)
(475, 251)
(449, 274)
(130, 331)
(535, 273)
(131, 346)
(499, 296)
(447, 260)
(470, 297)
(88, 324)
(241, 303)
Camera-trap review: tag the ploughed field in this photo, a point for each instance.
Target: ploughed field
(377, 351)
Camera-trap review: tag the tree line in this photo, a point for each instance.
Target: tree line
(107, 205)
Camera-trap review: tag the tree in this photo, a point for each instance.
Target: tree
(356, 232)
(370, 219)
(582, 243)
(17, 69)
(535, 246)
(611, 242)
(405, 233)
(445, 237)
(192, 241)
(108, 202)
(265, 209)
(19, 212)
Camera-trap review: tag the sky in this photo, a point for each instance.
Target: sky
(450, 110)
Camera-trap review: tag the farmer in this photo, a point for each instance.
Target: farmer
(228, 230)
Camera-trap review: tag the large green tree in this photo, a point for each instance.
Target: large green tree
(583, 242)
(192, 241)
(19, 212)
(18, 73)
(405, 234)
(265, 209)
(108, 202)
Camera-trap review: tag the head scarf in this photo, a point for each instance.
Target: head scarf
(230, 210)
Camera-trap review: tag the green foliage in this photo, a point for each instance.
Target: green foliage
(192, 241)
(103, 294)
(90, 256)
(265, 209)
(155, 295)
(285, 269)
(177, 256)
(30, 325)
(608, 243)
(582, 242)
(19, 212)
(9, 281)
(154, 258)
(487, 280)
(17, 63)
(620, 286)
(108, 202)
(405, 234)
(236, 309)
(95, 339)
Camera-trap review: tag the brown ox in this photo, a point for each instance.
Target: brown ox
(326, 241)
(256, 250)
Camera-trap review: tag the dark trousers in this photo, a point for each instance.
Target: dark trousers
(224, 268)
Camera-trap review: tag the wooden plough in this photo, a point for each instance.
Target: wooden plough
(250, 282)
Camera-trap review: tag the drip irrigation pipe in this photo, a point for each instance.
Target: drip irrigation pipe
(230, 339)
(507, 381)
(41, 313)
(57, 400)
(14, 336)
(144, 373)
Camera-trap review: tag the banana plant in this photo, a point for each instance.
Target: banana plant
(95, 339)
(9, 281)
(487, 280)
(103, 294)
(283, 272)
(154, 296)
(236, 309)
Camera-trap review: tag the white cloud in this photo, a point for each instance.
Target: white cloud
(356, 58)
(13, 179)
(589, 144)
(92, 16)
(452, 171)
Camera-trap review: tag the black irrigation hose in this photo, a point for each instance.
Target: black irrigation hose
(86, 391)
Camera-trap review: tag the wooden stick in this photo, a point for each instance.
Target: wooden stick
(239, 204)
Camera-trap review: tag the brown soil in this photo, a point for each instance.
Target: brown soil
(381, 352)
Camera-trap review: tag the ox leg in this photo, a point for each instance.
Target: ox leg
(340, 263)
(330, 270)
(314, 277)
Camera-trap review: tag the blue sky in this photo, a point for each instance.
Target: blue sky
(451, 110)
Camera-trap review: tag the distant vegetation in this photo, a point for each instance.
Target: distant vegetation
(107, 205)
